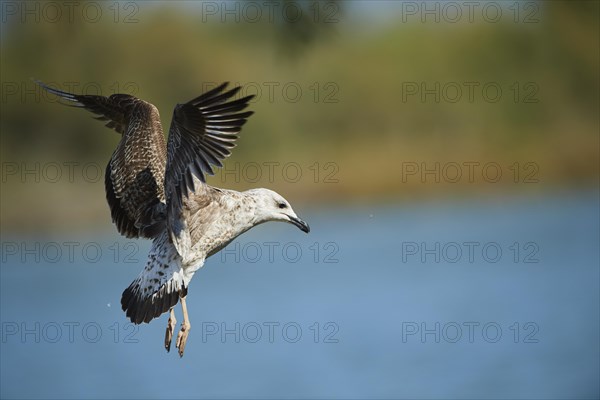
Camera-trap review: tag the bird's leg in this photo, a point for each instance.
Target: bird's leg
(185, 329)
(170, 329)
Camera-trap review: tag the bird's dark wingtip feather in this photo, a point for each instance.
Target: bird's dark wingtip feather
(207, 95)
(60, 93)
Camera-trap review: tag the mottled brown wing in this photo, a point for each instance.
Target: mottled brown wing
(201, 135)
(114, 109)
(134, 178)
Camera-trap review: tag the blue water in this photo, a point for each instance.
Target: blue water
(365, 305)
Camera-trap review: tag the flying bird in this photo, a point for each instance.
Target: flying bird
(158, 191)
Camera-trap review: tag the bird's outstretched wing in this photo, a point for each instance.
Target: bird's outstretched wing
(114, 109)
(134, 178)
(201, 135)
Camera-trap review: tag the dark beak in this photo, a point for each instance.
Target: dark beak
(300, 224)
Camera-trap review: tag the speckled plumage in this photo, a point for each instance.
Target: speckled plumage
(158, 191)
(211, 218)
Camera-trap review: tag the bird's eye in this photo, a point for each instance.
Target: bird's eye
(281, 205)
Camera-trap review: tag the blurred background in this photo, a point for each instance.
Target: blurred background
(445, 154)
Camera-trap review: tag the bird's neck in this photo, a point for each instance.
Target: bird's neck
(242, 209)
(240, 214)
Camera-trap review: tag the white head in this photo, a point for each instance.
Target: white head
(271, 206)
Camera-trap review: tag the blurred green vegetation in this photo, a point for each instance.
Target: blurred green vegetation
(353, 110)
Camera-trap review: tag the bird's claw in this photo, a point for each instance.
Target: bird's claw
(182, 338)
(169, 333)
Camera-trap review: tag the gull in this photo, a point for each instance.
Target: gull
(158, 191)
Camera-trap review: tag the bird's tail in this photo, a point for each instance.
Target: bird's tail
(159, 286)
(142, 305)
